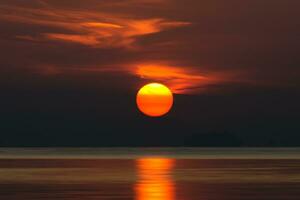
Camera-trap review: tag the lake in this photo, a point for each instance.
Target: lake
(150, 173)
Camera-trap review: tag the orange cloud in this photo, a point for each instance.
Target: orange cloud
(179, 79)
(101, 25)
(148, 26)
(91, 28)
(82, 39)
(120, 34)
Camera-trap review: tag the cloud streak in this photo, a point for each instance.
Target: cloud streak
(180, 80)
(96, 29)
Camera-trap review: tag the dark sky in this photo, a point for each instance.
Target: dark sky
(70, 70)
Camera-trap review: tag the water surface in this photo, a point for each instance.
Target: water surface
(150, 174)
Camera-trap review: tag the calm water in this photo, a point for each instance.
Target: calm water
(150, 174)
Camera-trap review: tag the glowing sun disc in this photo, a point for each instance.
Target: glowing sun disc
(154, 99)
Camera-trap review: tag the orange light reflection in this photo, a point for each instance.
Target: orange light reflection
(155, 181)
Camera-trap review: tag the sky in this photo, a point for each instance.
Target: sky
(70, 70)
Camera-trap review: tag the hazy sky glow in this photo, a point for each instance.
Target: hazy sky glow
(98, 51)
(195, 43)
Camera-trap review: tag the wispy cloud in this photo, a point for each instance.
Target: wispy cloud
(179, 79)
(96, 29)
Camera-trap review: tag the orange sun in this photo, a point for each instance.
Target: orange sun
(154, 99)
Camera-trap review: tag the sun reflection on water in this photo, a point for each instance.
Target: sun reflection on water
(154, 179)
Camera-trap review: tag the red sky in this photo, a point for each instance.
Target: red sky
(192, 46)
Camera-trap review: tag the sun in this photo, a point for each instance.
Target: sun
(154, 99)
